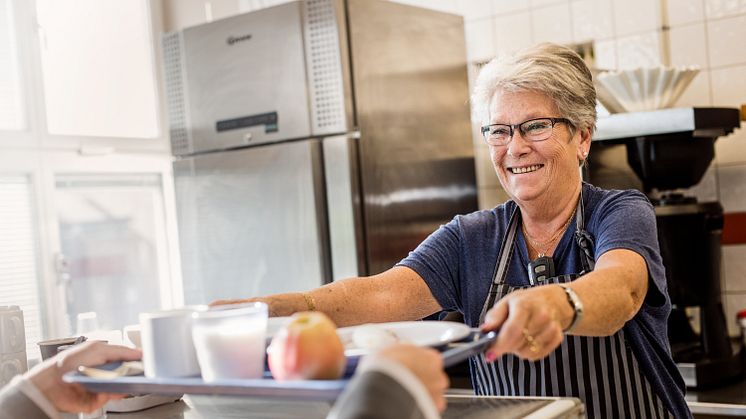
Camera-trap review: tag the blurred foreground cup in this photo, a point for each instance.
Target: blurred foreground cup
(50, 348)
(231, 341)
(131, 336)
(167, 348)
(86, 322)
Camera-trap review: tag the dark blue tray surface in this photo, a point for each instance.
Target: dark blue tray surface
(261, 387)
(318, 390)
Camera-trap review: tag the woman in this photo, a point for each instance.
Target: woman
(569, 273)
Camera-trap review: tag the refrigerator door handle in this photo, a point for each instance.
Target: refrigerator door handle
(344, 206)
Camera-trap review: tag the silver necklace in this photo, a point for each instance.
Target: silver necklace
(538, 246)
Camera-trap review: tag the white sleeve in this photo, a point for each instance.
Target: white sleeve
(406, 378)
(32, 392)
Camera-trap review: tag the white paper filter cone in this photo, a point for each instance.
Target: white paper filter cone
(643, 89)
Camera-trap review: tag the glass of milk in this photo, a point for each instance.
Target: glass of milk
(230, 341)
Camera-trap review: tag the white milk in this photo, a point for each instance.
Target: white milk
(230, 343)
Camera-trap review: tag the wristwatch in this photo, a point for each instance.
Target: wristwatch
(576, 305)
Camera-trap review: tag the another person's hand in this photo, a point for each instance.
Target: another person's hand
(528, 321)
(426, 364)
(66, 397)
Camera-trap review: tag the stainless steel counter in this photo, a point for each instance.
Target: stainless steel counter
(729, 400)
(223, 407)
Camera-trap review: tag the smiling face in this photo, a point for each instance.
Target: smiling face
(536, 173)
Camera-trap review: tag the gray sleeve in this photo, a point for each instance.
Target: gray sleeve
(14, 404)
(375, 395)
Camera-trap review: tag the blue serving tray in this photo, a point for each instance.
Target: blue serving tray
(312, 390)
(317, 390)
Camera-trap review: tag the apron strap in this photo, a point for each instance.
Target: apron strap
(503, 260)
(583, 238)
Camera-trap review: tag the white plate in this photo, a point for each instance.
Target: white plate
(419, 333)
(139, 402)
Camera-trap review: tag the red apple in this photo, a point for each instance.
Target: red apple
(307, 348)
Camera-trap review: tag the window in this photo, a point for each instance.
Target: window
(98, 55)
(11, 109)
(113, 243)
(19, 271)
(87, 219)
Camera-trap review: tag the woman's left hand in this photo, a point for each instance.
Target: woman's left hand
(528, 321)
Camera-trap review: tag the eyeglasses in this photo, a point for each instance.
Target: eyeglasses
(538, 129)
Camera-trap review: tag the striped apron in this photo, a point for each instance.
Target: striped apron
(601, 371)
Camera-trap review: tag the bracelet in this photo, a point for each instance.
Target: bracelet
(576, 305)
(309, 302)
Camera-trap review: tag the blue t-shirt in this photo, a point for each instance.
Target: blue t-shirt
(458, 264)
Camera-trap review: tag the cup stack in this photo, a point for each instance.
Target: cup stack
(13, 359)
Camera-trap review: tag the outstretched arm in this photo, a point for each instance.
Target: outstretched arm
(395, 295)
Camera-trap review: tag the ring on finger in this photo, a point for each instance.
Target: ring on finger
(533, 346)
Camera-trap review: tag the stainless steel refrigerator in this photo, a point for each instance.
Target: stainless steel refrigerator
(315, 140)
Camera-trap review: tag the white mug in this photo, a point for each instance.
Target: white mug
(167, 347)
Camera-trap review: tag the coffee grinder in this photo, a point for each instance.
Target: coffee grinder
(669, 150)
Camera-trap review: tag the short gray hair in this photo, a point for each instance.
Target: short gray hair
(550, 69)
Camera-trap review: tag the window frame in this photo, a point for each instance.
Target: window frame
(36, 133)
(42, 156)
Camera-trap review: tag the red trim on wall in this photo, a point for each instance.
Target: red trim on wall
(734, 228)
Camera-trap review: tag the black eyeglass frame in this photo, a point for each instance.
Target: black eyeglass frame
(514, 127)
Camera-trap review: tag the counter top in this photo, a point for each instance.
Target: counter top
(459, 406)
(729, 400)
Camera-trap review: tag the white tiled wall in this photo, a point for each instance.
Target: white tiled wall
(552, 23)
(723, 35)
(592, 19)
(724, 8)
(513, 31)
(504, 6)
(636, 16)
(688, 45)
(682, 12)
(629, 34)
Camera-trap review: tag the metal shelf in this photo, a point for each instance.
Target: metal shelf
(689, 122)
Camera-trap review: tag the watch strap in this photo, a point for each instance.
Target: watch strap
(576, 305)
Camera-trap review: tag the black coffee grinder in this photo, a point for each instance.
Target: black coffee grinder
(669, 150)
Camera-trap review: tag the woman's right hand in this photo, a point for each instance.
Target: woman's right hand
(528, 321)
